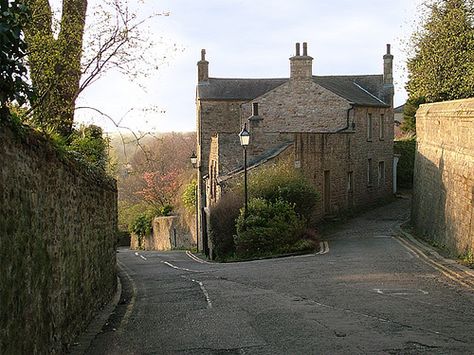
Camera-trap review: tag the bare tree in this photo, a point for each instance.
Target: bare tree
(67, 56)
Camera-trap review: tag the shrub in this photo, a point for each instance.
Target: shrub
(89, 143)
(141, 227)
(222, 227)
(189, 196)
(165, 210)
(128, 213)
(283, 182)
(270, 228)
(406, 148)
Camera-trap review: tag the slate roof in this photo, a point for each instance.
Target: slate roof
(262, 159)
(236, 89)
(399, 109)
(361, 90)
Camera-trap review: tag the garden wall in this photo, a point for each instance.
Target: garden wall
(171, 232)
(58, 223)
(443, 196)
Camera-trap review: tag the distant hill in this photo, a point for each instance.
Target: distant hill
(126, 145)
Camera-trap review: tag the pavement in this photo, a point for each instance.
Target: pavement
(374, 290)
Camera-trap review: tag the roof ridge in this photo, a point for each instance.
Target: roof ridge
(375, 97)
(249, 78)
(345, 75)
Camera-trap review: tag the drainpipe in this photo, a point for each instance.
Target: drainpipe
(347, 120)
(396, 158)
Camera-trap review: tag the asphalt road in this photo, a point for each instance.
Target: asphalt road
(367, 294)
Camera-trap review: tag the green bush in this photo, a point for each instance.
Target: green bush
(141, 227)
(407, 149)
(283, 182)
(128, 213)
(166, 210)
(89, 144)
(270, 228)
(189, 196)
(222, 226)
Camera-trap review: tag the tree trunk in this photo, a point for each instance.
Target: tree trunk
(55, 63)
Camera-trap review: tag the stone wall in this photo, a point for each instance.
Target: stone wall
(171, 232)
(344, 158)
(443, 198)
(214, 117)
(57, 245)
(300, 106)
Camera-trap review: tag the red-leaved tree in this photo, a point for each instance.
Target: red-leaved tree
(161, 187)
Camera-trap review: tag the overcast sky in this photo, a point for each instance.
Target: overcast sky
(250, 39)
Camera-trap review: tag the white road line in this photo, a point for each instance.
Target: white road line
(195, 258)
(326, 244)
(324, 248)
(177, 267)
(321, 248)
(204, 291)
(141, 256)
(399, 292)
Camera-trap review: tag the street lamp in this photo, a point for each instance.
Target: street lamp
(244, 136)
(194, 163)
(194, 159)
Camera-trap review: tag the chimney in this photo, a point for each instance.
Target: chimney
(388, 89)
(255, 109)
(301, 66)
(255, 118)
(203, 68)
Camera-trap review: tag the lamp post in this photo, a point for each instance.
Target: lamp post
(244, 136)
(194, 163)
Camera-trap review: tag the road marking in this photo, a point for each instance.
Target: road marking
(323, 248)
(398, 291)
(204, 291)
(141, 256)
(178, 268)
(195, 258)
(450, 274)
(131, 305)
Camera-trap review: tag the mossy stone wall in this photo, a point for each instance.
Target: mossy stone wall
(58, 221)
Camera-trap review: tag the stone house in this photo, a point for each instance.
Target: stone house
(339, 130)
(397, 121)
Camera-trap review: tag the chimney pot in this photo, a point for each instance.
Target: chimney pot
(297, 49)
(305, 49)
(203, 68)
(388, 48)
